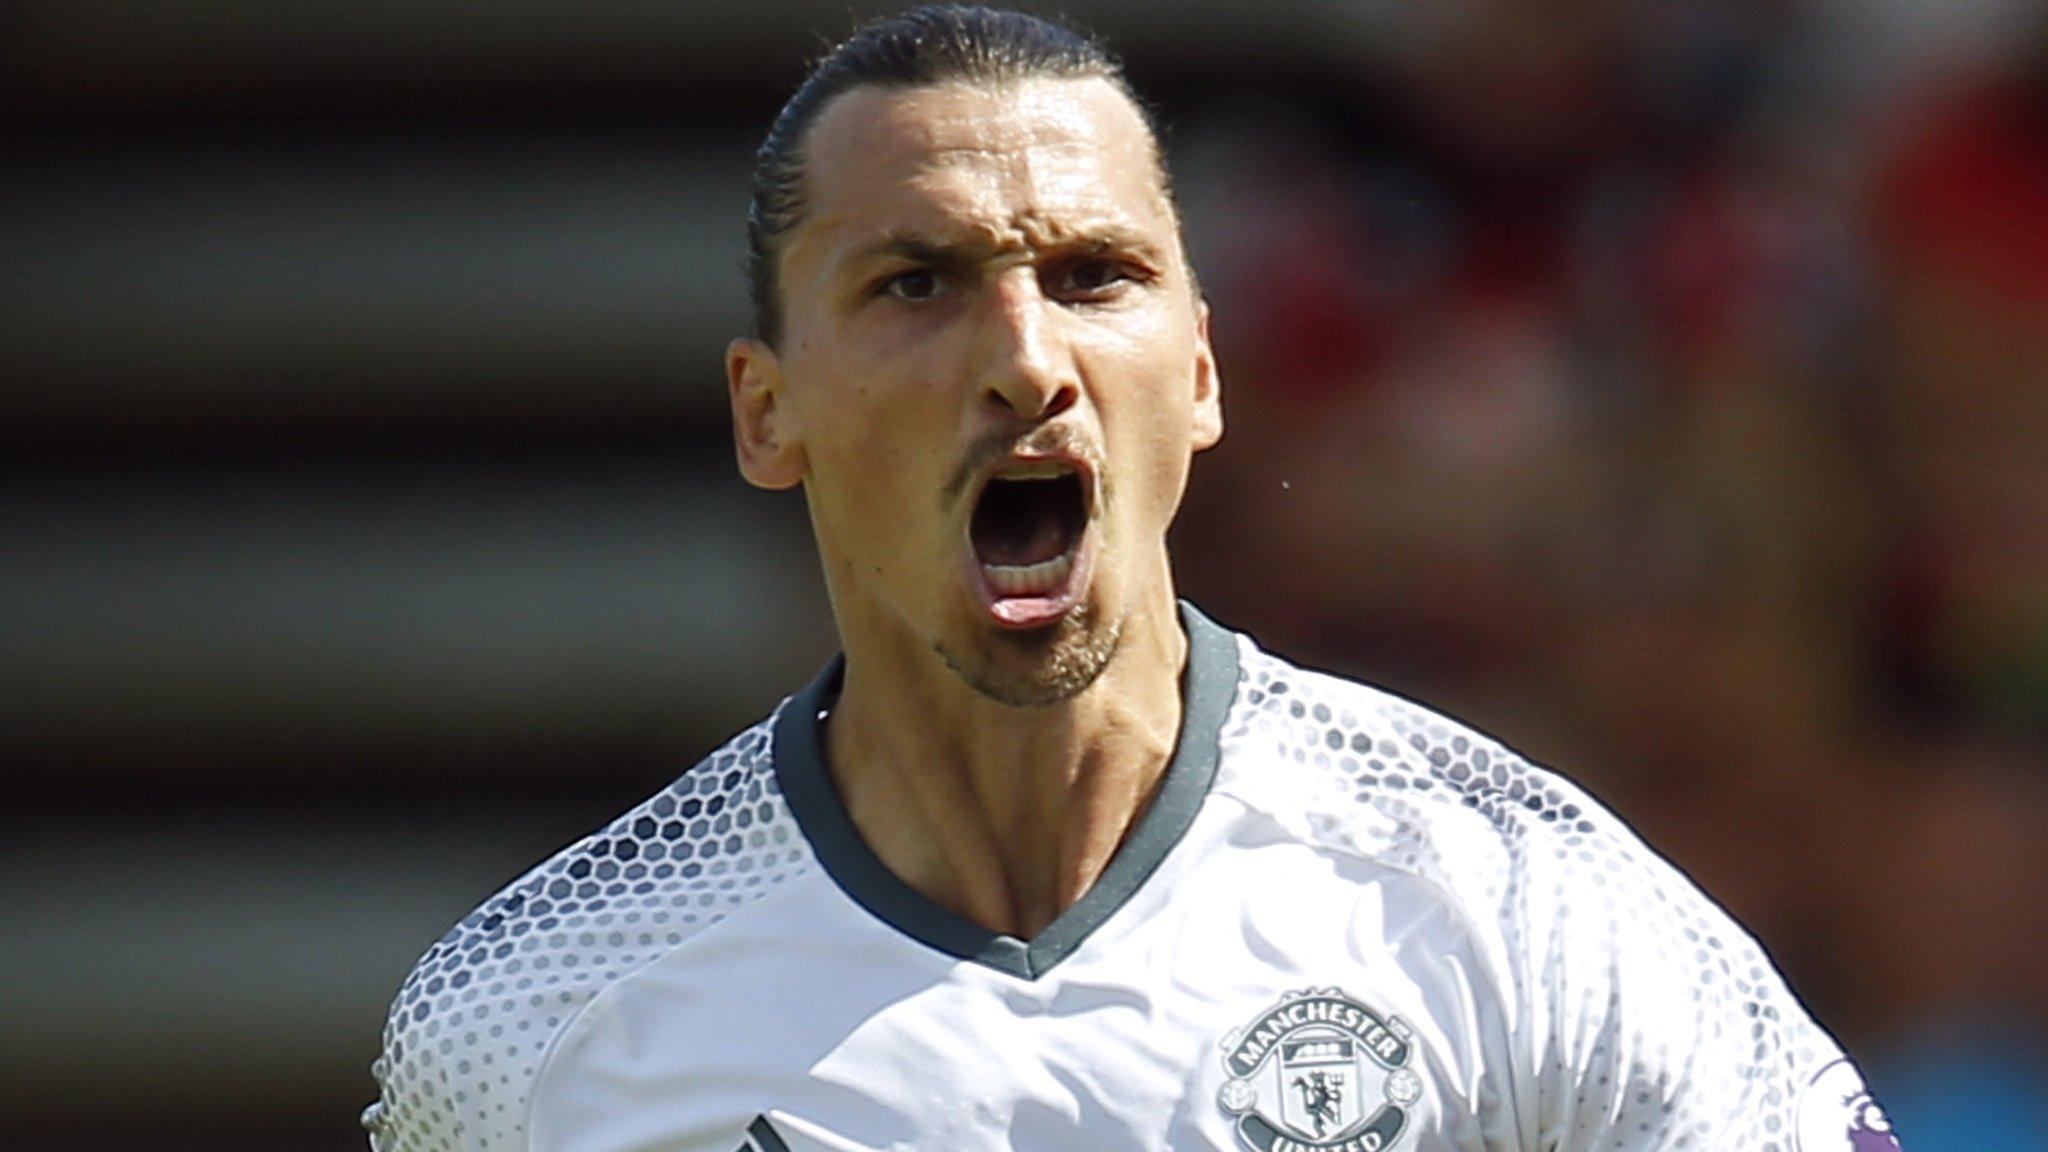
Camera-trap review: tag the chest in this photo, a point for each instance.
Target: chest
(1248, 996)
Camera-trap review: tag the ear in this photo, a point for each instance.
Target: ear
(1208, 426)
(770, 453)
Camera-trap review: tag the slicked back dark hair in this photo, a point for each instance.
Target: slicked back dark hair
(936, 44)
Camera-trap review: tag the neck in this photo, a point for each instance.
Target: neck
(1003, 815)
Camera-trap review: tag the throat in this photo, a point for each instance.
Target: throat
(1023, 877)
(1005, 816)
(1008, 842)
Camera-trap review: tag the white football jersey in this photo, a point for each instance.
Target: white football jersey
(1345, 923)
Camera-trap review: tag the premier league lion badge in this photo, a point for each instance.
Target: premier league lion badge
(1319, 1072)
(1837, 1114)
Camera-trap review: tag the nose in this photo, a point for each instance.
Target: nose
(1027, 367)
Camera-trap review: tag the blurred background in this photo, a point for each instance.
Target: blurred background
(1661, 385)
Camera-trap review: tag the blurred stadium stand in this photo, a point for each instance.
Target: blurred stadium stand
(1660, 384)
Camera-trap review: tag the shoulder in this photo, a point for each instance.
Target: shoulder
(1370, 770)
(1553, 881)
(1510, 841)
(1620, 970)
(474, 1022)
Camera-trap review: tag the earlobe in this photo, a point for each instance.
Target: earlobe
(1208, 423)
(764, 435)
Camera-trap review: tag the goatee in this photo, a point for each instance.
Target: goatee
(1038, 668)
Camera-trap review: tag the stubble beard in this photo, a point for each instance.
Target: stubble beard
(1039, 668)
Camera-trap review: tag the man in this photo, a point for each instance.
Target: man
(1047, 861)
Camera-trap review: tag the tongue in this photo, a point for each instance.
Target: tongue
(1022, 540)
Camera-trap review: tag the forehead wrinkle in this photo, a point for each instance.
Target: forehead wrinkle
(1046, 205)
(1032, 162)
(972, 221)
(1030, 112)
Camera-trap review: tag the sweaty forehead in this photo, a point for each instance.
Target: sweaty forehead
(999, 161)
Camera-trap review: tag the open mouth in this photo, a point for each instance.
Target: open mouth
(1027, 529)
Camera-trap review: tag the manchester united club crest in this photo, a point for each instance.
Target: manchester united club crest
(1319, 1071)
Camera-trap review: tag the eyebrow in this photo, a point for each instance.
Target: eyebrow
(952, 252)
(922, 248)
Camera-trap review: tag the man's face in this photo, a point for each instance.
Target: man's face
(994, 371)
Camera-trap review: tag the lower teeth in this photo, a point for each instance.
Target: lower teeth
(1027, 579)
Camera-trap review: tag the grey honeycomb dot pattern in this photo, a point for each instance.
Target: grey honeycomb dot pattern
(469, 1029)
(1670, 1027)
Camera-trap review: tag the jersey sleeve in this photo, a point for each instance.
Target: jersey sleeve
(1663, 1026)
(466, 1033)
(475, 1023)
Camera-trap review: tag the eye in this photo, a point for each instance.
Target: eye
(913, 284)
(1091, 279)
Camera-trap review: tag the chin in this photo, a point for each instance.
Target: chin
(1039, 667)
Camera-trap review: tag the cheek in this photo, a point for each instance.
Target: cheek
(1153, 351)
(1146, 397)
(874, 476)
(864, 476)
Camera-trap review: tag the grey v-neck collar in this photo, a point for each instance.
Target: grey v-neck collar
(1209, 686)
